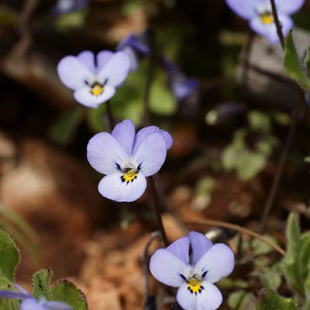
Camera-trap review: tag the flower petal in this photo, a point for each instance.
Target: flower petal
(112, 187)
(288, 6)
(73, 73)
(200, 245)
(116, 69)
(13, 295)
(144, 132)
(85, 97)
(168, 268)
(57, 305)
(270, 31)
(218, 262)
(134, 60)
(243, 8)
(31, 304)
(180, 248)
(87, 58)
(210, 297)
(125, 133)
(104, 152)
(151, 154)
(102, 58)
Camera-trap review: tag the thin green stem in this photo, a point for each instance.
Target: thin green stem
(110, 115)
(277, 22)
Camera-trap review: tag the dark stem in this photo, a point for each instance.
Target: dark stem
(277, 22)
(110, 115)
(154, 204)
(145, 255)
(149, 81)
(279, 172)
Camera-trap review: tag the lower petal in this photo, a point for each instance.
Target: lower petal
(210, 297)
(112, 187)
(85, 97)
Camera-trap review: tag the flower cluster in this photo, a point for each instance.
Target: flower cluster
(259, 14)
(194, 276)
(30, 303)
(127, 158)
(94, 83)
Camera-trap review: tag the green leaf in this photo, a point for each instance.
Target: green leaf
(292, 268)
(269, 300)
(9, 257)
(262, 248)
(259, 121)
(292, 64)
(41, 284)
(241, 300)
(67, 292)
(307, 59)
(63, 129)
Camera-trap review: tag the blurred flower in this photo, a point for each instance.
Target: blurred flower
(259, 14)
(67, 6)
(127, 159)
(181, 86)
(194, 277)
(30, 303)
(94, 84)
(136, 46)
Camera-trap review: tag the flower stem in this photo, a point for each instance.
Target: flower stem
(110, 115)
(277, 22)
(154, 203)
(149, 80)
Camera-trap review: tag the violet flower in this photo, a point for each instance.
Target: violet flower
(259, 14)
(136, 46)
(67, 6)
(127, 158)
(194, 276)
(93, 83)
(30, 303)
(181, 86)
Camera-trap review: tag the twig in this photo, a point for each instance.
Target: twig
(242, 230)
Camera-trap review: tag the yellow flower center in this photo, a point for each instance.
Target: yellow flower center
(266, 18)
(194, 286)
(129, 176)
(97, 89)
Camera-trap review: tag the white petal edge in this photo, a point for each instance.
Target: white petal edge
(86, 98)
(112, 187)
(210, 297)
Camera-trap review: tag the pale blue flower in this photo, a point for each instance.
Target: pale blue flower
(67, 6)
(94, 82)
(195, 275)
(259, 14)
(30, 303)
(127, 158)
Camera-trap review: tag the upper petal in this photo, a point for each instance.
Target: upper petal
(125, 133)
(116, 69)
(289, 6)
(200, 245)
(73, 73)
(244, 8)
(151, 154)
(144, 132)
(218, 262)
(86, 98)
(112, 187)
(104, 153)
(87, 58)
(13, 295)
(210, 297)
(102, 58)
(180, 248)
(168, 268)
